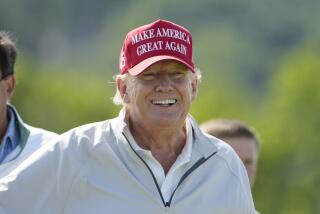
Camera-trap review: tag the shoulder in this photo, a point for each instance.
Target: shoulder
(91, 130)
(88, 135)
(227, 155)
(228, 165)
(76, 143)
(28, 131)
(37, 137)
(229, 160)
(208, 144)
(44, 134)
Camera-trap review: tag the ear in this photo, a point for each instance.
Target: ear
(10, 85)
(122, 88)
(194, 88)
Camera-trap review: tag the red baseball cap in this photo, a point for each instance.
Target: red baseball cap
(154, 42)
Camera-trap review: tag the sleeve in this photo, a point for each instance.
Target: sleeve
(40, 184)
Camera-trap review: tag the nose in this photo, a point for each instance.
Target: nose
(164, 83)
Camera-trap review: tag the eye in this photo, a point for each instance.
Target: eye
(148, 76)
(178, 74)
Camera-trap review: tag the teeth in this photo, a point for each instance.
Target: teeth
(164, 102)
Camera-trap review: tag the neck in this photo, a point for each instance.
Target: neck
(3, 124)
(165, 143)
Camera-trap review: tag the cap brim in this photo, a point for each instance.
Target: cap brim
(139, 68)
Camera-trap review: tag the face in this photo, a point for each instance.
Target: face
(161, 95)
(247, 150)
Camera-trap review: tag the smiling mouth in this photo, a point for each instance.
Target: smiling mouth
(167, 102)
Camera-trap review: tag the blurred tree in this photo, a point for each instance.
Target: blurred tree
(60, 99)
(289, 176)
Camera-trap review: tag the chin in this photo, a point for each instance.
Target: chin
(167, 120)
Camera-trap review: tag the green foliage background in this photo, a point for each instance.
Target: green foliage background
(259, 61)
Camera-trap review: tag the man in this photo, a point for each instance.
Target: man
(152, 158)
(241, 138)
(17, 139)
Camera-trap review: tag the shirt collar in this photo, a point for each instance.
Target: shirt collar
(122, 123)
(11, 135)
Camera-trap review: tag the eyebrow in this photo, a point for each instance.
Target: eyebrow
(179, 65)
(176, 65)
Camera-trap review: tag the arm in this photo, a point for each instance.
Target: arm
(42, 181)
